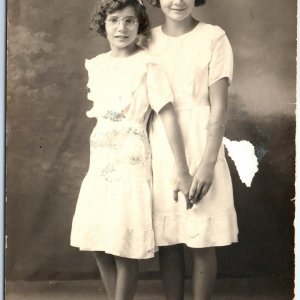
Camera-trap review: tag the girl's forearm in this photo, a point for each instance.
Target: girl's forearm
(217, 121)
(215, 134)
(175, 139)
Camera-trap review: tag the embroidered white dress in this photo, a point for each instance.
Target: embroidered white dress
(114, 208)
(192, 62)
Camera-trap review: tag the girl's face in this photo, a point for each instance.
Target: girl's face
(121, 30)
(177, 10)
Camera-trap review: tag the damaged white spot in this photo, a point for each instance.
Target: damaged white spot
(243, 155)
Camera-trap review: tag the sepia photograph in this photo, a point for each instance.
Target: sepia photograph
(150, 150)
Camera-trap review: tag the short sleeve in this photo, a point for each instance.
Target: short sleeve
(221, 63)
(91, 95)
(159, 92)
(90, 69)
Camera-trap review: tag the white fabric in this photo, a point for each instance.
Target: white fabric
(114, 208)
(192, 62)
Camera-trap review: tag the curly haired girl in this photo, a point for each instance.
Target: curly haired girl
(113, 216)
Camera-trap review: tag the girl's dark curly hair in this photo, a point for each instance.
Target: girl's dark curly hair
(106, 7)
(156, 3)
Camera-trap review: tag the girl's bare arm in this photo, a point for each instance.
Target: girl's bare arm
(174, 135)
(203, 176)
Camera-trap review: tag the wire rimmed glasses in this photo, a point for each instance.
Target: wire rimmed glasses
(128, 22)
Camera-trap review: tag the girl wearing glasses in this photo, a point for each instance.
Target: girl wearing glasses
(113, 216)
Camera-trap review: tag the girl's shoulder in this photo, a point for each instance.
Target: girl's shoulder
(155, 30)
(149, 60)
(95, 61)
(202, 30)
(156, 34)
(209, 31)
(143, 58)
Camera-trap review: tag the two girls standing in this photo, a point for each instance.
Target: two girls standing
(116, 216)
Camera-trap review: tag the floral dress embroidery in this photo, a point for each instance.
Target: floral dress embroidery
(114, 209)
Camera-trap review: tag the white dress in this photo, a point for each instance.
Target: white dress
(114, 208)
(192, 62)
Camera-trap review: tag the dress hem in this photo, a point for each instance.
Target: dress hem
(150, 253)
(196, 231)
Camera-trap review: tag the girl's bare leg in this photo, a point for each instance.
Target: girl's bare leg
(172, 270)
(127, 277)
(107, 267)
(204, 272)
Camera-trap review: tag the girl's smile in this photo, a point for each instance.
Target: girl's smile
(121, 37)
(177, 10)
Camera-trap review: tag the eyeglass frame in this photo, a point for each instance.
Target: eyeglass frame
(123, 20)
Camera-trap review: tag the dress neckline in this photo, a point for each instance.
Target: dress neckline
(124, 58)
(180, 36)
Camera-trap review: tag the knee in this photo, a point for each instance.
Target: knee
(124, 263)
(203, 252)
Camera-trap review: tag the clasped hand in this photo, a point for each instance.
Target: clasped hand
(194, 188)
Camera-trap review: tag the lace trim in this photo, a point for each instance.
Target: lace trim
(123, 148)
(114, 116)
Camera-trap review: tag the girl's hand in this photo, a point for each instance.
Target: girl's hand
(183, 184)
(202, 182)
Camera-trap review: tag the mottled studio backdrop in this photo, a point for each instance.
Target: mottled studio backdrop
(48, 133)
